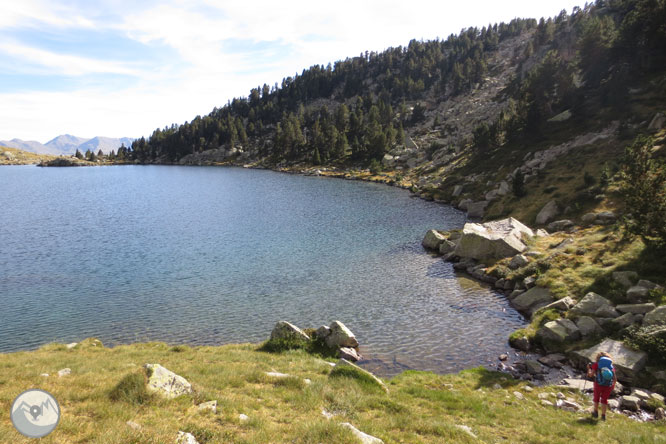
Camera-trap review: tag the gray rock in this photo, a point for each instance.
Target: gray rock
(186, 438)
(492, 240)
(542, 233)
(287, 330)
(628, 362)
(477, 209)
(623, 321)
(457, 190)
(636, 308)
(364, 438)
(433, 240)
(529, 282)
(547, 213)
(350, 354)
(532, 367)
(446, 247)
(499, 284)
(588, 326)
(625, 278)
(656, 316)
(613, 404)
(518, 261)
(647, 284)
(503, 188)
(323, 332)
(519, 396)
(546, 403)
(606, 311)
(520, 343)
(515, 293)
(589, 218)
(340, 336)
(640, 394)
(560, 225)
(567, 405)
(563, 304)
(637, 294)
(243, 417)
(606, 217)
(492, 195)
(133, 425)
(165, 382)
(659, 414)
(210, 405)
(657, 397)
(590, 304)
(582, 385)
(630, 403)
(532, 300)
(554, 360)
(464, 203)
(657, 122)
(558, 332)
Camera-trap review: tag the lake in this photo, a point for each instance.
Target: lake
(214, 255)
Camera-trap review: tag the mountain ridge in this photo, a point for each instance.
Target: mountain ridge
(67, 144)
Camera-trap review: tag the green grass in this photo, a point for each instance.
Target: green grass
(419, 408)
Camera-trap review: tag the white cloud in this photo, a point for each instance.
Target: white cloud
(222, 49)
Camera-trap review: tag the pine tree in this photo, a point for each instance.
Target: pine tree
(78, 154)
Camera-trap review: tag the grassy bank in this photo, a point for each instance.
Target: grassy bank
(419, 408)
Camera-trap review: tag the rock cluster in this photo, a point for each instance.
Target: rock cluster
(336, 336)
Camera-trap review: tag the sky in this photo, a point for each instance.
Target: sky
(122, 68)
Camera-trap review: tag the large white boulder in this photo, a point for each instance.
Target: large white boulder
(165, 382)
(493, 240)
(627, 361)
(340, 336)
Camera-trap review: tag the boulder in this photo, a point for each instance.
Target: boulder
(624, 321)
(518, 261)
(477, 209)
(636, 308)
(637, 294)
(547, 213)
(606, 218)
(588, 327)
(590, 304)
(657, 122)
(464, 203)
(554, 360)
(532, 300)
(628, 362)
(563, 304)
(492, 195)
(340, 336)
(530, 366)
(648, 284)
(186, 438)
(492, 240)
(322, 332)
(542, 233)
(630, 402)
(432, 240)
(529, 282)
(515, 293)
(350, 354)
(625, 278)
(363, 438)
(557, 332)
(659, 414)
(503, 188)
(606, 311)
(446, 247)
(656, 316)
(567, 405)
(560, 225)
(165, 382)
(589, 218)
(287, 330)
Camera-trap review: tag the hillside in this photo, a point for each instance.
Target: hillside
(15, 156)
(104, 400)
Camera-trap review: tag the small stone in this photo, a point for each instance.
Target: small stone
(659, 414)
(528, 389)
(554, 360)
(326, 414)
(277, 375)
(518, 261)
(529, 282)
(64, 372)
(307, 381)
(133, 425)
(45, 375)
(71, 345)
(243, 417)
(210, 405)
(186, 438)
(166, 382)
(503, 357)
(363, 437)
(567, 404)
(546, 403)
(518, 396)
(647, 284)
(496, 386)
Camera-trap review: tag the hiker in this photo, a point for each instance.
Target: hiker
(604, 382)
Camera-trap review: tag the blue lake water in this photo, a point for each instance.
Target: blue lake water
(212, 255)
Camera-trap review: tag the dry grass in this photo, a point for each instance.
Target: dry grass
(420, 407)
(13, 156)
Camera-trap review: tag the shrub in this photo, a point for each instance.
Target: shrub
(375, 167)
(131, 389)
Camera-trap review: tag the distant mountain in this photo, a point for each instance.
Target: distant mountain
(30, 146)
(106, 144)
(67, 144)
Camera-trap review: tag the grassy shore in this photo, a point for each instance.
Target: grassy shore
(419, 407)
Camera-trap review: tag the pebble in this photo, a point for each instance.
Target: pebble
(528, 389)
(518, 395)
(64, 372)
(243, 417)
(133, 425)
(503, 357)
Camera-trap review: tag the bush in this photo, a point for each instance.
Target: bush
(375, 167)
(131, 389)
(650, 339)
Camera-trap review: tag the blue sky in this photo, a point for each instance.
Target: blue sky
(121, 68)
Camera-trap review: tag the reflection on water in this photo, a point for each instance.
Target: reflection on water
(218, 255)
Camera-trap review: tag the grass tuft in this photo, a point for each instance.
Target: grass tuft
(131, 389)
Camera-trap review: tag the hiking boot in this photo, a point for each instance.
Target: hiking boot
(603, 417)
(595, 414)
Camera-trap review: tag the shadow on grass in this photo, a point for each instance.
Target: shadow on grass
(587, 421)
(488, 378)
(314, 346)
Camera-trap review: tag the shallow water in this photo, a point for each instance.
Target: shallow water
(211, 255)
